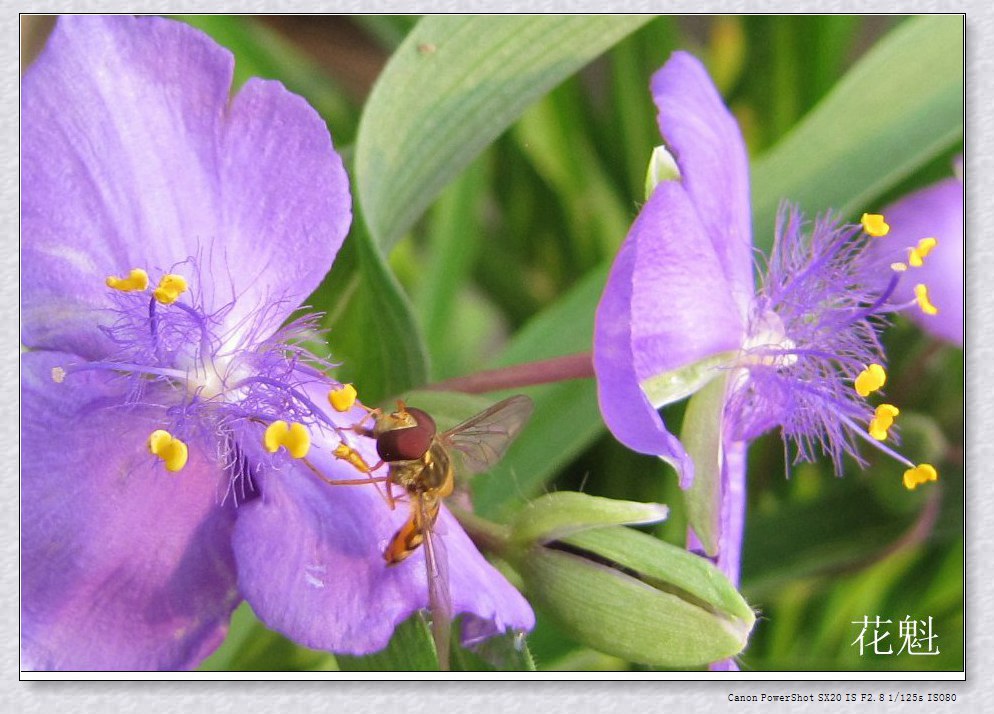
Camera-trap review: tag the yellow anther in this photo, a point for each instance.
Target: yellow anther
(137, 280)
(919, 474)
(347, 453)
(170, 288)
(293, 436)
(873, 223)
(921, 296)
(870, 380)
(168, 448)
(917, 255)
(343, 398)
(898, 267)
(58, 375)
(883, 419)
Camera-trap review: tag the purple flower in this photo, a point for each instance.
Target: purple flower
(935, 211)
(680, 309)
(169, 233)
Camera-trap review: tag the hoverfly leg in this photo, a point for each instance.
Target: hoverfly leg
(391, 501)
(360, 427)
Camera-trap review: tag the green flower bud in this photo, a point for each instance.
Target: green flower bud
(633, 596)
(556, 515)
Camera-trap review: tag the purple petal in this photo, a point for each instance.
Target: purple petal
(935, 211)
(666, 306)
(310, 561)
(713, 163)
(682, 308)
(623, 404)
(133, 157)
(123, 565)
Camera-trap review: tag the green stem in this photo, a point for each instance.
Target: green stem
(490, 536)
(556, 369)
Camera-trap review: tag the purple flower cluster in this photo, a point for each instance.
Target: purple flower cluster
(170, 233)
(680, 309)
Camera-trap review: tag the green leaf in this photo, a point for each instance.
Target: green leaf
(555, 138)
(630, 595)
(840, 530)
(565, 421)
(898, 107)
(454, 233)
(701, 437)
(454, 84)
(251, 647)
(504, 653)
(556, 515)
(566, 418)
(410, 650)
(373, 332)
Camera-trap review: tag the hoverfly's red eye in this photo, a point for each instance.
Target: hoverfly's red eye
(410, 443)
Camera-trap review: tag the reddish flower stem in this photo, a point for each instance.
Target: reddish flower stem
(556, 369)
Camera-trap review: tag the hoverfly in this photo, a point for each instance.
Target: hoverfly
(421, 461)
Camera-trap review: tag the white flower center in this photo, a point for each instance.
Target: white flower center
(768, 344)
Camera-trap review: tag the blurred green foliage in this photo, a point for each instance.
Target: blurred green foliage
(507, 263)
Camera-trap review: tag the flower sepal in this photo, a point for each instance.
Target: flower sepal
(669, 387)
(633, 596)
(557, 515)
(701, 434)
(662, 167)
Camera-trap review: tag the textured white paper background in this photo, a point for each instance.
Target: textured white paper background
(555, 697)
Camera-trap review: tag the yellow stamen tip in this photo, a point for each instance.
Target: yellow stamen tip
(921, 296)
(873, 223)
(887, 411)
(917, 255)
(294, 437)
(137, 280)
(343, 398)
(883, 419)
(918, 475)
(275, 433)
(58, 375)
(170, 288)
(870, 380)
(898, 267)
(168, 448)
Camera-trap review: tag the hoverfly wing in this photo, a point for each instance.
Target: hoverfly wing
(483, 439)
(439, 596)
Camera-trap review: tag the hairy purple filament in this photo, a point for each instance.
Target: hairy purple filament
(211, 382)
(813, 326)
